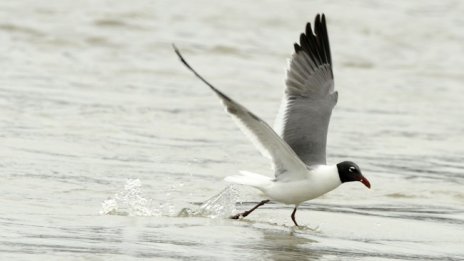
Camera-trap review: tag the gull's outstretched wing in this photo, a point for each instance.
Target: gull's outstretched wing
(304, 115)
(286, 163)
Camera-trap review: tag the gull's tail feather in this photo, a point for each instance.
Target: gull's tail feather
(250, 179)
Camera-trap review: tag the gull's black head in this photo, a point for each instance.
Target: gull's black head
(349, 171)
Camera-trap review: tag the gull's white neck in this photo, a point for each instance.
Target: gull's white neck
(326, 176)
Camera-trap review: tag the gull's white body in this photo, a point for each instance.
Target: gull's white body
(318, 181)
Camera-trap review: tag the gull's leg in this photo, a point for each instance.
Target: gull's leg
(246, 213)
(293, 216)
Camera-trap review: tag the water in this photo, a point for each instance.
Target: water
(112, 150)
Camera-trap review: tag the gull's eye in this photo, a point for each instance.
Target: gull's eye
(352, 169)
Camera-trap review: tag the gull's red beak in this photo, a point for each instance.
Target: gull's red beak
(365, 182)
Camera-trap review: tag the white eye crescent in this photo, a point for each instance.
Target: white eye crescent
(351, 169)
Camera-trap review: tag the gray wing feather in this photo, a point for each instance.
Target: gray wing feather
(287, 164)
(268, 142)
(304, 116)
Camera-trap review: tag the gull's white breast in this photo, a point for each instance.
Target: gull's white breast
(319, 181)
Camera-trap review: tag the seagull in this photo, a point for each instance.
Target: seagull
(297, 144)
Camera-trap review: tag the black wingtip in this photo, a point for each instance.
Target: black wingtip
(176, 50)
(308, 29)
(304, 43)
(317, 19)
(315, 41)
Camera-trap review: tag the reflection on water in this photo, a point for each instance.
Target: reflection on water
(95, 108)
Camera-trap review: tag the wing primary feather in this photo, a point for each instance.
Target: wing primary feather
(312, 49)
(320, 39)
(198, 75)
(325, 38)
(326, 42)
(304, 42)
(297, 48)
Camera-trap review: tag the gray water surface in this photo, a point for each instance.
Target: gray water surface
(112, 150)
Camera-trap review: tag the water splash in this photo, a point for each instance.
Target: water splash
(132, 202)
(221, 205)
(129, 202)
